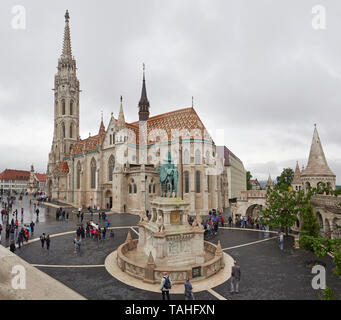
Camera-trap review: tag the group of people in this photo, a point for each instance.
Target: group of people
(249, 222)
(166, 284)
(45, 239)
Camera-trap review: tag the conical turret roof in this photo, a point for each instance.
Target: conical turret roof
(270, 182)
(317, 163)
(297, 175)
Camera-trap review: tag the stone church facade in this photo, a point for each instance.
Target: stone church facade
(116, 169)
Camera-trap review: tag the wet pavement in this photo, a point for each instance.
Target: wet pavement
(267, 272)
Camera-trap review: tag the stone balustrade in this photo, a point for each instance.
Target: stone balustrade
(326, 201)
(153, 274)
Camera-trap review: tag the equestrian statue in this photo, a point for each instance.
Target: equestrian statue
(168, 178)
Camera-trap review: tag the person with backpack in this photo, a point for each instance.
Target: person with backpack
(166, 285)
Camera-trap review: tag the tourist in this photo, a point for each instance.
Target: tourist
(188, 290)
(281, 241)
(112, 234)
(104, 231)
(32, 224)
(20, 240)
(0, 231)
(166, 285)
(12, 246)
(82, 216)
(42, 240)
(77, 242)
(235, 278)
(48, 241)
(37, 212)
(230, 221)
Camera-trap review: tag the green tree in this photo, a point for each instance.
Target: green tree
(248, 178)
(310, 225)
(282, 207)
(285, 179)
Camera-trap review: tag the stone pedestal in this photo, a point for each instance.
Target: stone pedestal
(169, 237)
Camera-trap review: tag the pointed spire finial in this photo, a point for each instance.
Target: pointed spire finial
(143, 103)
(102, 116)
(192, 102)
(67, 53)
(67, 16)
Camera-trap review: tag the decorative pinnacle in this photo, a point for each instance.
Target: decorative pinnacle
(192, 101)
(144, 69)
(102, 116)
(67, 16)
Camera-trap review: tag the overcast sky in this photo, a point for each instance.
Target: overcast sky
(257, 70)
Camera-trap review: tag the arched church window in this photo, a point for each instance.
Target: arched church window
(207, 157)
(208, 183)
(63, 107)
(130, 189)
(71, 108)
(186, 182)
(186, 157)
(154, 188)
(150, 188)
(135, 188)
(71, 129)
(93, 168)
(79, 169)
(111, 166)
(197, 181)
(197, 157)
(63, 130)
(110, 139)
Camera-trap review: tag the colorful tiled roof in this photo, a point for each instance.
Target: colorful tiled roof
(90, 143)
(183, 119)
(63, 167)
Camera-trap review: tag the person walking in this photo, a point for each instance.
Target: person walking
(32, 224)
(82, 216)
(235, 278)
(281, 241)
(77, 242)
(12, 246)
(48, 241)
(42, 240)
(188, 290)
(166, 285)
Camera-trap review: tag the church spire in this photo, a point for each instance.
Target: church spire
(144, 103)
(67, 52)
(121, 119)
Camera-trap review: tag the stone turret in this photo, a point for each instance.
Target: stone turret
(317, 170)
(296, 183)
(270, 183)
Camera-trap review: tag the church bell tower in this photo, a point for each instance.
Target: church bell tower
(66, 100)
